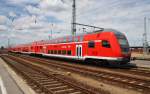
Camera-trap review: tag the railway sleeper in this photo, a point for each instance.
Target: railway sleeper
(78, 92)
(47, 83)
(65, 91)
(57, 89)
(60, 87)
(38, 91)
(132, 82)
(44, 79)
(38, 77)
(53, 85)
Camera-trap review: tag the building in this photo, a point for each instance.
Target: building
(139, 49)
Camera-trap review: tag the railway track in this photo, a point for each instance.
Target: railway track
(135, 71)
(120, 79)
(144, 73)
(48, 82)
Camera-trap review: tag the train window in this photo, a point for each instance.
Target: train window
(55, 52)
(106, 44)
(56, 41)
(59, 52)
(41, 47)
(123, 42)
(59, 41)
(52, 52)
(70, 39)
(81, 38)
(91, 44)
(69, 52)
(76, 39)
(49, 51)
(64, 52)
(65, 40)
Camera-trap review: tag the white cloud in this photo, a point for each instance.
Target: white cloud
(24, 22)
(12, 14)
(55, 5)
(3, 19)
(33, 10)
(2, 28)
(23, 1)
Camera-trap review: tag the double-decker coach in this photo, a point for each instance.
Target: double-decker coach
(104, 45)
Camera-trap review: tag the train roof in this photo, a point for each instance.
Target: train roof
(70, 36)
(80, 34)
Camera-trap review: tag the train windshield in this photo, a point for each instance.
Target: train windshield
(121, 38)
(123, 42)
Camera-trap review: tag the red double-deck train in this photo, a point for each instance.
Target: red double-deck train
(104, 45)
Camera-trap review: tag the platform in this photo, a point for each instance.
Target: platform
(141, 63)
(141, 56)
(7, 83)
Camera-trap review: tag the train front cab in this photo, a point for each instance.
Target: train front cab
(124, 47)
(111, 47)
(119, 45)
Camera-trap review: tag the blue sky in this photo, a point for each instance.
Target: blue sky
(126, 16)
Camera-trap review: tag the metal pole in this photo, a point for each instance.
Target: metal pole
(50, 36)
(51, 31)
(12, 20)
(145, 37)
(73, 18)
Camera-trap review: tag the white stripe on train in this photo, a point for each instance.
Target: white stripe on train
(78, 58)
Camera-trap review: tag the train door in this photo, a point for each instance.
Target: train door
(44, 49)
(79, 51)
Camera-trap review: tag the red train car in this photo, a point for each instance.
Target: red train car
(108, 45)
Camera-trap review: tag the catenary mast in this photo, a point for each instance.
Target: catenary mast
(145, 43)
(73, 25)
